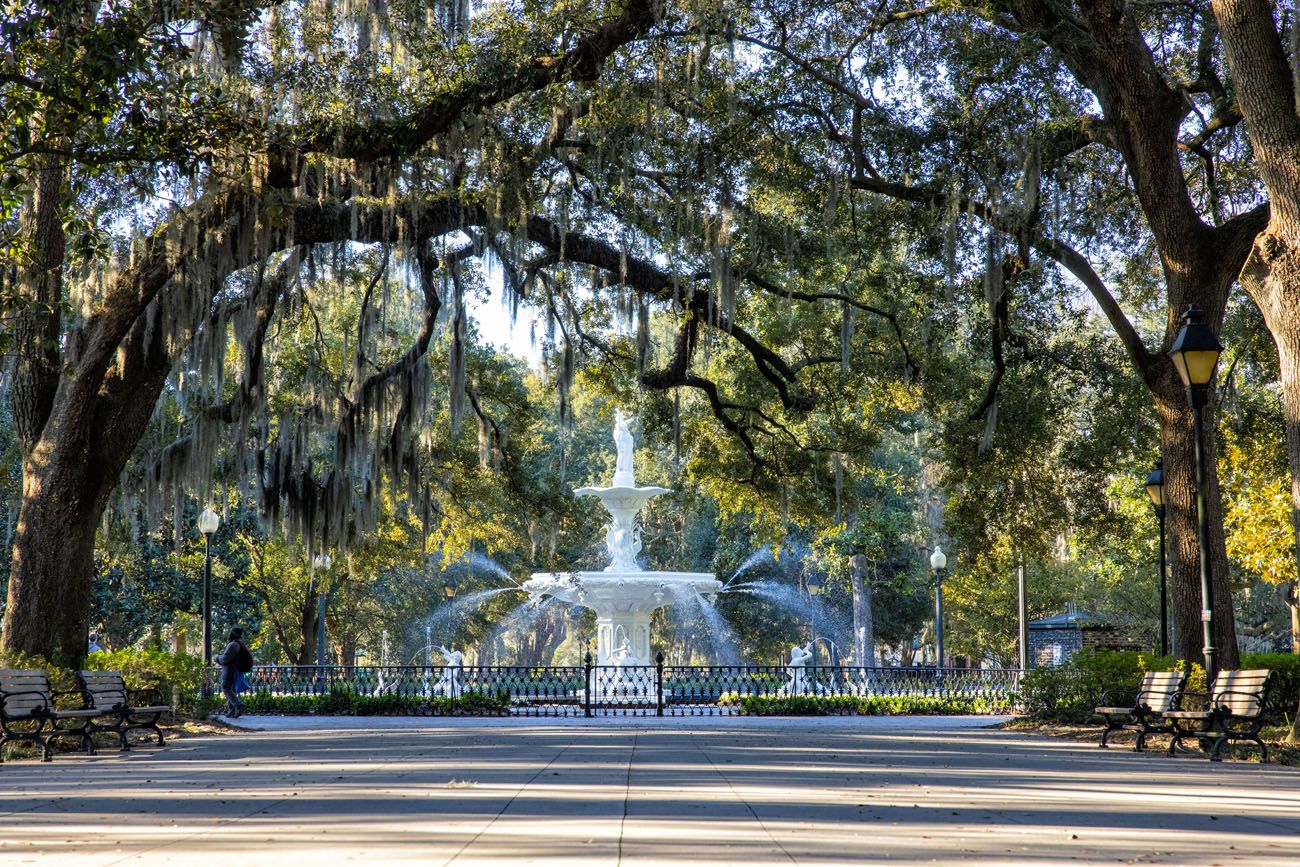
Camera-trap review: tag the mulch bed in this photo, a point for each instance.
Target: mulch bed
(179, 729)
(1279, 751)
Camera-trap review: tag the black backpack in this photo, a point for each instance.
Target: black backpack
(244, 662)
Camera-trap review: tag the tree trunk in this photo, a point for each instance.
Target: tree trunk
(307, 620)
(1295, 617)
(864, 632)
(1178, 449)
(1265, 88)
(48, 607)
(346, 648)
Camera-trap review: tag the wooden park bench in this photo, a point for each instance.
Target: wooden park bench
(1234, 712)
(120, 709)
(1159, 691)
(28, 712)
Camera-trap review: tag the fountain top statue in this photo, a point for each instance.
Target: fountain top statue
(624, 475)
(623, 500)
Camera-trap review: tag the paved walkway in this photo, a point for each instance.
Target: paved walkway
(675, 791)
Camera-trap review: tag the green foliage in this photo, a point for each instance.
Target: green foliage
(868, 705)
(347, 702)
(471, 703)
(867, 400)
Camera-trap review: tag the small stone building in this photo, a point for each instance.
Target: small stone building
(1053, 640)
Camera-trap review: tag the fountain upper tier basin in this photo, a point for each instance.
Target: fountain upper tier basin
(622, 590)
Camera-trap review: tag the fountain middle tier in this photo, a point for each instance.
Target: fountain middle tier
(624, 601)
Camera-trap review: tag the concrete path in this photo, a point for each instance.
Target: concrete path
(640, 792)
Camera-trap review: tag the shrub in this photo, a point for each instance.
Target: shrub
(344, 701)
(1070, 692)
(770, 704)
(472, 702)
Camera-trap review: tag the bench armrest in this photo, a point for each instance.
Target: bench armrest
(1256, 696)
(1107, 699)
(81, 696)
(146, 695)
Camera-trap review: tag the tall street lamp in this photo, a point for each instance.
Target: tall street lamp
(1195, 353)
(813, 583)
(208, 522)
(449, 591)
(938, 562)
(323, 562)
(1156, 491)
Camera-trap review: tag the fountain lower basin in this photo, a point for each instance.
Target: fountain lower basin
(624, 601)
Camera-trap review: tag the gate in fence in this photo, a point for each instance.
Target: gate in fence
(652, 690)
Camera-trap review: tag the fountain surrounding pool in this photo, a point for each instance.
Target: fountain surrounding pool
(624, 596)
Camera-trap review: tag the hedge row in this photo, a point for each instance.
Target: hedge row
(347, 702)
(865, 705)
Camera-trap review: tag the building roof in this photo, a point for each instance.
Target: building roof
(1073, 620)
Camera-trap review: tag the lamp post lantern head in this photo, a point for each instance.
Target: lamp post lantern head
(814, 584)
(449, 590)
(1156, 484)
(938, 560)
(208, 521)
(322, 561)
(1195, 353)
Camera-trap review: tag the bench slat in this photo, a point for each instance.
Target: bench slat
(23, 710)
(26, 690)
(1242, 691)
(1159, 690)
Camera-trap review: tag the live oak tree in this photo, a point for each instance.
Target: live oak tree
(216, 131)
(1076, 133)
(179, 176)
(1264, 83)
(185, 183)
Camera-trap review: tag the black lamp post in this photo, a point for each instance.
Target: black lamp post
(938, 562)
(814, 585)
(449, 591)
(208, 522)
(1156, 491)
(1195, 353)
(323, 563)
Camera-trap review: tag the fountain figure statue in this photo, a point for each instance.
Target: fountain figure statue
(449, 683)
(796, 682)
(624, 474)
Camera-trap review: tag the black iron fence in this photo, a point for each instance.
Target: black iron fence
(652, 690)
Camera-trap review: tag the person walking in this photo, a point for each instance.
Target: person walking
(94, 644)
(235, 660)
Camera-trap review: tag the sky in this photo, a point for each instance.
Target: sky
(492, 319)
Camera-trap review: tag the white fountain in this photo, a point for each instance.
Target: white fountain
(624, 595)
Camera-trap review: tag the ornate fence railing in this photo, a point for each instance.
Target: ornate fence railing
(653, 690)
